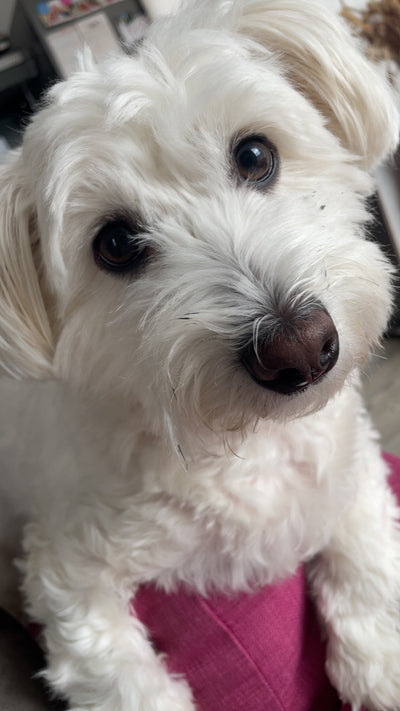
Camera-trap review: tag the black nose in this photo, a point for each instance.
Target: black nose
(293, 360)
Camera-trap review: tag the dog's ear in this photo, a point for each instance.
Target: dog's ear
(325, 63)
(26, 343)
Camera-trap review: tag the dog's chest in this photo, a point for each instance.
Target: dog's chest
(253, 514)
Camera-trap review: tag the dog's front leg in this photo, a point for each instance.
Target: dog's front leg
(356, 583)
(99, 656)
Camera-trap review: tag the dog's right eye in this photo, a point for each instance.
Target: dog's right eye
(119, 248)
(256, 160)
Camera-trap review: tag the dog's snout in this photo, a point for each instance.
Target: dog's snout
(295, 359)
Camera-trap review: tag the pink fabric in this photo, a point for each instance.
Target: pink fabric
(249, 652)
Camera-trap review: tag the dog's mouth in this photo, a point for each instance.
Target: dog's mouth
(291, 363)
(290, 381)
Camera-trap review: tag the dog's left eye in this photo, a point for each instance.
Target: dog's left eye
(117, 247)
(256, 160)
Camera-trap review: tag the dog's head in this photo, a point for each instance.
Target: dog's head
(184, 228)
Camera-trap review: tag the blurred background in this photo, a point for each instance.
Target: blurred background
(40, 40)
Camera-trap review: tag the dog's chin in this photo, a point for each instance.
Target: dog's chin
(290, 384)
(306, 400)
(243, 411)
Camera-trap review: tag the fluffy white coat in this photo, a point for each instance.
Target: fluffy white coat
(203, 476)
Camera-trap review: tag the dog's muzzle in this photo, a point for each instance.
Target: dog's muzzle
(294, 358)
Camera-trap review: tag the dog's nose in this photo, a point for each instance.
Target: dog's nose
(290, 362)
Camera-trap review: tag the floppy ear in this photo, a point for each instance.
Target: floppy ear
(26, 343)
(326, 64)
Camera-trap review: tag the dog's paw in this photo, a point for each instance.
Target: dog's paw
(150, 704)
(363, 663)
(176, 696)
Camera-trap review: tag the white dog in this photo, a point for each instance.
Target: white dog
(182, 241)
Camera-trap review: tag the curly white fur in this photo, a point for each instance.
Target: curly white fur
(203, 475)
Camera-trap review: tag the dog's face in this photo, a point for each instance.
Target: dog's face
(183, 228)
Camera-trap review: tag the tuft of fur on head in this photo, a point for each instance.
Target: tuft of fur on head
(150, 140)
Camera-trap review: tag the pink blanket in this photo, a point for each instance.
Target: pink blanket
(258, 652)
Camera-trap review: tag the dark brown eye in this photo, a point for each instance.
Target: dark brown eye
(256, 160)
(118, 248)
